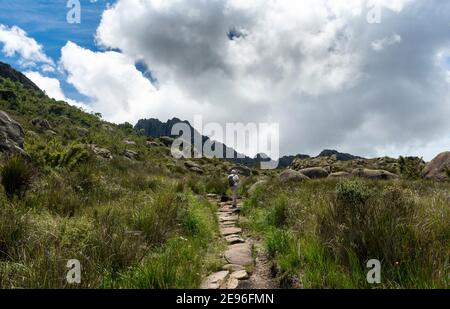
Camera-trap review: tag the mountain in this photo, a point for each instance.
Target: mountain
(156, 129)
(6, 71)
(338, 155)
(287, 160)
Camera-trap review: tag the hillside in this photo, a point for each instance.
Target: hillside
(82, 188)
(74, 186)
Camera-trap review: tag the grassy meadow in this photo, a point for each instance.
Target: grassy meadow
(321, 233)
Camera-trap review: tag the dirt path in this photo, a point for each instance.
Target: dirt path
(246, 265)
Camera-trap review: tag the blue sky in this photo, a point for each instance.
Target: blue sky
(45, 21)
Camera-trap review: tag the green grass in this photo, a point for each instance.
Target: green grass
(321, 233)
(130, 223)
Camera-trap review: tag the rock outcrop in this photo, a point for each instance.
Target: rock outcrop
(315, 172)
(193, 167)
(339, 175)
(12, 135)
(6, 71)
(374, 174)
(101, 152)
(41, 124)
(292, 176)
(438, 168)
(243, 170)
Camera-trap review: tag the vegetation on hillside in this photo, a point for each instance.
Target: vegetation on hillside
(137, 218)
(321, 233)
(131, 222)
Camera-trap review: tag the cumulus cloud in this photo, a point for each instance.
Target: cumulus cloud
(308, 65)
(52, 88)
(118, 89)
(16, 41)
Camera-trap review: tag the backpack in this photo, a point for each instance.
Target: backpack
(231, 181)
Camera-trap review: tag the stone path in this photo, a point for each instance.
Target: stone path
(239, 269)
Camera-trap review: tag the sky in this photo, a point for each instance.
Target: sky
(368, 77)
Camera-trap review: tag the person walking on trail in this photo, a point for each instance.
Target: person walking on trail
(233, 180)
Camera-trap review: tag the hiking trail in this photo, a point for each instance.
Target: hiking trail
(246, 264)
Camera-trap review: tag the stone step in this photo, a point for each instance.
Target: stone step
(233, 267)
(240, 254)
(216, 280)
(240, 275)
(234, 239)
(230, 230)
(228, 218)
(232, 283)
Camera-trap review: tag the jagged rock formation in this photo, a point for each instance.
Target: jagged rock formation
(163, 130)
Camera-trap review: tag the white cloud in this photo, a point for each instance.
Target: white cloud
(308, 65)
(380, 45)
(118, 90)
(52, 88)
(16, 41)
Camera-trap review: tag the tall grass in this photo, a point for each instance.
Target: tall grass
(16, 176)
(323, 232)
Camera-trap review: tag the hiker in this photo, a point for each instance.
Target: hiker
(233, 180)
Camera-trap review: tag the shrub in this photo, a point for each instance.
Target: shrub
(158, 218)
(54, 154)
(195, 184)
(411, 167)
(16, 175)
(216, 184)
(352, 193)
(85, 178)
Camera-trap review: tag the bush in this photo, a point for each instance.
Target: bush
(411, 167)
(54, 154)
(216, 184)
(158, 218)
(16, 175)
(352, 193)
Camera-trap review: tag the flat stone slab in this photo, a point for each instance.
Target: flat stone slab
(232, 283)
(234, 239)
(230, 230)
(216, 280)
(240, 254)
(240, 275)
(233, 267)
(228, 218)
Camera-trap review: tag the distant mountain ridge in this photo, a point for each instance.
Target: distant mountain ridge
(156, 128)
